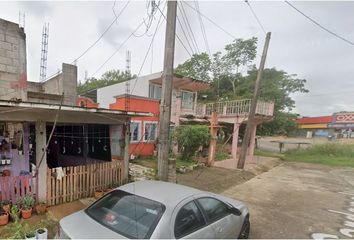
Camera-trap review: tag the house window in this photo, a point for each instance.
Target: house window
(150, 130)
(187, 100)
(155, 91)
(135, 132)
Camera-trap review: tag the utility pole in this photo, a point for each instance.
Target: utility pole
(251, 116)
(167, 80)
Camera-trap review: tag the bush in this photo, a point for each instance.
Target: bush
(190, 138)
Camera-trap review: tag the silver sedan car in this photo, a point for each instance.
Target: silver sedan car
(154, 209)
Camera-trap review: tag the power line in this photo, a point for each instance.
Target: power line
(185, 35)
(189, 28)
(107, 29)
(147, 53)
(319, 25)
(179, 39)
(212, 21)
(202, 27)
(117, 50)
(94, 43)
(255, 16)
(150, 17)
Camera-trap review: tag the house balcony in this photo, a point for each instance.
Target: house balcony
(235, 108)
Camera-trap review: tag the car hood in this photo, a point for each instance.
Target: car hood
(80, 226)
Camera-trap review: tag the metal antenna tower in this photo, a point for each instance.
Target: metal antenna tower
(21, 19)
(44, 53)
(127, 83)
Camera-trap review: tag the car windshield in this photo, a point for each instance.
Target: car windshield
(127, 214)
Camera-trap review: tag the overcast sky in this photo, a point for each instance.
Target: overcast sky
(297, 45)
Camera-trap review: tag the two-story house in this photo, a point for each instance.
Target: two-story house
(145, 95)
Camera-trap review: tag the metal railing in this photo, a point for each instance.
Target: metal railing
(235, 108)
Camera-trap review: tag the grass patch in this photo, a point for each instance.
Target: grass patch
(150, 162)
(332, 154)
(219, 156)
(265, 153)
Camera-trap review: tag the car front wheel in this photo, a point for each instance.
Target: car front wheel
(245, 230)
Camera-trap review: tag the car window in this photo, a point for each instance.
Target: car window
(127, 214)
(188, 220)
(213, 208)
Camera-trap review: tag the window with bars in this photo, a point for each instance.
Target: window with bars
(135, 132)
(150, 131)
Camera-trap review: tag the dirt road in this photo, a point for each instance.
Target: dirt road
(296, 200)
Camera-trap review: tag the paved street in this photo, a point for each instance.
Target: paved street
(292, 200)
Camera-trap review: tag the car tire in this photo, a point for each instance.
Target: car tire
(245, 230)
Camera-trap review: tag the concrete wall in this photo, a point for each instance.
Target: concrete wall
(69, 84)
(105, 95)
(52, 89)
(13, 66)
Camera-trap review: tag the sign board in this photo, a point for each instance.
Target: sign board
(343, 117)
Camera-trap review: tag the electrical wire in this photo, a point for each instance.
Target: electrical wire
(150, 17)
(185, 35)
(187, 23)
(196, 3)
(117, 50)
(100, 37)
(147, 53)
(319, 25)
(212, 21)
(255, 16)
(179, 39)
(105, 31)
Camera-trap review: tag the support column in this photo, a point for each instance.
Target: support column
(250, 150)
(213, 133)
(235, 139)
(126, 153)
(41, 141)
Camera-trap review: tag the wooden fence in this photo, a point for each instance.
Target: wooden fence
(12, 188)
(82, 181)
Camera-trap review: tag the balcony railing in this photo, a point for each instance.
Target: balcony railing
(235, 108)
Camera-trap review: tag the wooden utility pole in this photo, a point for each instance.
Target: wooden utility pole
(251, 116)
(167, 80)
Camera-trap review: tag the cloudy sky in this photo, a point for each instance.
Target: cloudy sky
(297, 45)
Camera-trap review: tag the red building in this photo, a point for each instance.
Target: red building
(143, 129)
(86, 102)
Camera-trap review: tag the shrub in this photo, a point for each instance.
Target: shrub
(27, 202)
(190, 138)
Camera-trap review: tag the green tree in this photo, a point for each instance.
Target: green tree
(108, 78)
(284, 123)
(233, 77)
(276, 85)
(198, 67)
(234, 62)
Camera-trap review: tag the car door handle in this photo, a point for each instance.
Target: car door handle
(219, 229)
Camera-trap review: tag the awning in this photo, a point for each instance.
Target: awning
(194, 120)
(185, 83)
(32, 112)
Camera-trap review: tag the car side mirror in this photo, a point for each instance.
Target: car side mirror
(235, 211)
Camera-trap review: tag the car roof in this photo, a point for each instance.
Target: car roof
(166, 193)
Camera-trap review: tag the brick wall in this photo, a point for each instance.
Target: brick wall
(13, 69)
